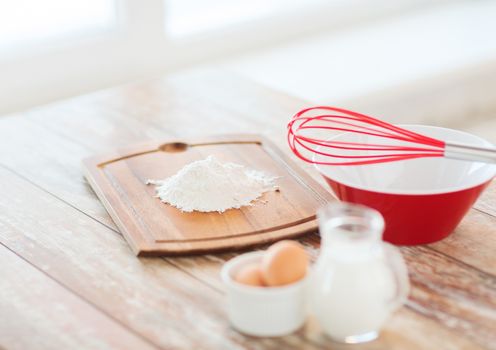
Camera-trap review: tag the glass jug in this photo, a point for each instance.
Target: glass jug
(358, 280)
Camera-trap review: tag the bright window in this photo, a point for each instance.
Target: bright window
(184, 17)
(27, 21)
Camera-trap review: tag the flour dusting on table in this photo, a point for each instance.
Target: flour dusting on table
(209, 185)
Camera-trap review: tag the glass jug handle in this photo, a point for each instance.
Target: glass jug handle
(400, 272)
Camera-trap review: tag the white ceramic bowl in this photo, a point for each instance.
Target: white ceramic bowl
(262, 311)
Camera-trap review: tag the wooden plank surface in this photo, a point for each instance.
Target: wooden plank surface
(95, 262)
(51, 218)
(149, 295)
(38, 313)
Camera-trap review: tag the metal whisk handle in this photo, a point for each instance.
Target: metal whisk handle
(466, 152)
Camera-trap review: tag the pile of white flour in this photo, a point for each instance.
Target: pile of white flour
(209, 185)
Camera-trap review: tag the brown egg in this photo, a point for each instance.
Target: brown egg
(283, 263)
(250, 274)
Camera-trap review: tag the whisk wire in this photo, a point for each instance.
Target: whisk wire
(355, 123)
(373, 121)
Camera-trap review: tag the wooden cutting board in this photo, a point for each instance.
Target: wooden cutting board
(154, 228)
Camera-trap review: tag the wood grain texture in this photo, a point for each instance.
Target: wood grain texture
(38, 313)
(445, 291)
(154, 228)
(487, 202)
(150, 295)
(166, 300)
(472, 242)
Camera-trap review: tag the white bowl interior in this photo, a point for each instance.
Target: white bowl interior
(415, 176)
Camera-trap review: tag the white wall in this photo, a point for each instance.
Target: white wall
(378, 56)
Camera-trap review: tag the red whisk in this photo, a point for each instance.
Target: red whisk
(389, 142)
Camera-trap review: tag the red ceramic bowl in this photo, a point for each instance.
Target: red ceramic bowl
(422, 200)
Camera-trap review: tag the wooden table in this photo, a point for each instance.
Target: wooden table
(69, 280)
